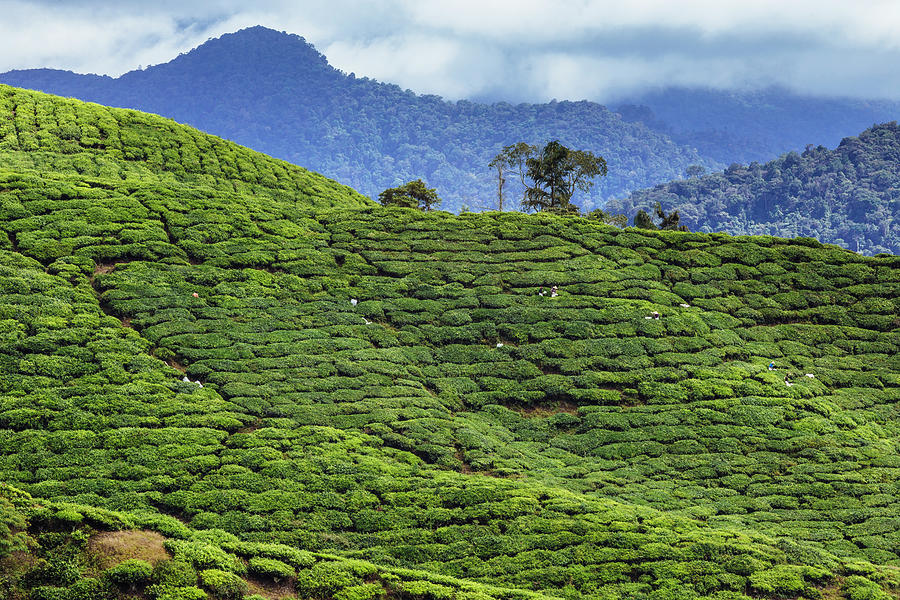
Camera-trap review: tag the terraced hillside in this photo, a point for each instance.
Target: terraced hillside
(50, 135)
(359, 402)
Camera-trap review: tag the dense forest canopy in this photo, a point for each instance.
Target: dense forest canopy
(848, 196)
(221, 375)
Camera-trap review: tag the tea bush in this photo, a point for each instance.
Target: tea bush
(190, 352)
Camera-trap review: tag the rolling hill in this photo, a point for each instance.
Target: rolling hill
(215, 383)
(848, 196)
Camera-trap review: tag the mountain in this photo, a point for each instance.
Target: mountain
(223, 375)
(848, 196)
(275, 93)
(733, 126)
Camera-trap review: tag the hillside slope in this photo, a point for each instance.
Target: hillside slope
(385, 389)
(47, 134)
(848, 196)
(275, 93)
(733, 126)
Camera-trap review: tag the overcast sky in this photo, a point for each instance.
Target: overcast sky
(516, 50)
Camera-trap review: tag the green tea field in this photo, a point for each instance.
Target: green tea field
(287, 391)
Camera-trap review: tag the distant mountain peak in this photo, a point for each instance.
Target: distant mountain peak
(258, 47)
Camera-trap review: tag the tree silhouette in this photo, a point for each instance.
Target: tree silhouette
(556, 173)
(414, 194)
(512, 157)
(667, 221)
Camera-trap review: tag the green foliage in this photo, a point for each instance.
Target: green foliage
(414, 194)
(203, 555)
(174, 573)
(381, 399)
(556, 172)
(846, 196)
(270, 567)
(643, 220)
(223, 584)
(129, 145)
(129, 574)
(856, 587)
(180, 593)
(366, 591)
(13, 535)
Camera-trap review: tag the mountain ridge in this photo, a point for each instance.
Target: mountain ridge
(371, 135)
(275, 92)
(734, 126)
(848, 196)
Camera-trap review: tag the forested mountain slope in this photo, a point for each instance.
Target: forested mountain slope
(356, 402)
(275, 93)
(735, 126)
(848, 196)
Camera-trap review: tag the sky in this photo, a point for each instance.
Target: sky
(513, 50)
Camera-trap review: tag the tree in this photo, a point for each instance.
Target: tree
(642, 220)
(694, 171)
(616, 220)
(499, 163)
(414, 194)
(512, 157)
(668, 221)
(556, 173)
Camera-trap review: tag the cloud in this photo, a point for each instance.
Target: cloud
(515, 50)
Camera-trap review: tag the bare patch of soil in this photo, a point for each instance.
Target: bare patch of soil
(251, 427)
(17, 562)
(108, 267)
(466, 468)
(112, 547)
(104, 268)
(543, 411)
(270, 589)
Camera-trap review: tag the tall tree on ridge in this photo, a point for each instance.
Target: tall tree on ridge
(414, 194)
(514, 157)
(557, 172)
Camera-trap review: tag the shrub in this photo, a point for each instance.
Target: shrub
(368, 591)
(786, 580)
(178, 593)
(87, 588)
(270, 567)
(325, 579)
(174, 573)
(223, 584)
(203, 555)
(857, 587)
(130, 574)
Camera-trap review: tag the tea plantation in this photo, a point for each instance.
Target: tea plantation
(290, 392)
